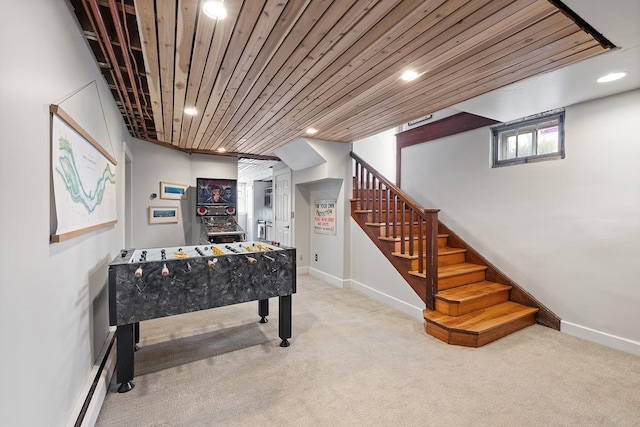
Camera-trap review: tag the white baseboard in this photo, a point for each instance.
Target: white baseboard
(600, 337)
(332, 280)
(375, 294)
(302, 270)
(97, 386)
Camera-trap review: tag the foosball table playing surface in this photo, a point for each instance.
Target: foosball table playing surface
(158, 282)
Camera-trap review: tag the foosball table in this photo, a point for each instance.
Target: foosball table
(152, 283)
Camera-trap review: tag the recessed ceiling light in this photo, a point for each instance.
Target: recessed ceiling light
(311, 131)
(611, 77)
(409, 75)
(191, 111)
(214, 9)
(221, 150)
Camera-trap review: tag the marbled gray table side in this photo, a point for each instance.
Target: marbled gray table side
(192, 285)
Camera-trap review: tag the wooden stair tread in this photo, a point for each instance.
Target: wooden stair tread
(462, 268)
(483, 320)
(453, 270)
(474, 290)
(441, 252)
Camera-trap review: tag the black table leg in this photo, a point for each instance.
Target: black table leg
(263, 310)
(284, 320)
(136, 334)
(124, 365)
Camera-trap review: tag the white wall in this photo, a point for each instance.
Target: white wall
(328, 180)
(380, 152)
(152, 164)
(329, 248)
(302, 210)
(53, 297)
(565, 230)
(373, 275)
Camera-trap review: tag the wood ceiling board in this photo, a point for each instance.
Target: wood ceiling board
(455, 73)
(259, 94)
(214, 55)
(185, 29)
(278, 87)
(384, 76)
(329, 65)
(468, 69)
(266, 33)
(204, 29)
(232, 54)
(352, 80)
(166, 24)
(149, 43)
(270, 69)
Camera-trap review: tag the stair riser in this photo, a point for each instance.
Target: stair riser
(370, 206)
(460, 279)
(464, 307)
(455, 337)
(506, 329)
(442, 242)
(442, 260)
(387, 231)
(370, 203)
(382, 217)
(369, 193)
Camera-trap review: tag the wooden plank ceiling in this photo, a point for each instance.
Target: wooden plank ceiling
(273, 68)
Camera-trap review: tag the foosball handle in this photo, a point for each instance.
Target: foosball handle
(212, 263)
(165, 270)
(252, 260)
(138, 273)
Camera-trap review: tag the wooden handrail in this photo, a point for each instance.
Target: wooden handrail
(375, 193)
(412, 204)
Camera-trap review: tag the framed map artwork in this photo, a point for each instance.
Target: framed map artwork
(83, 180)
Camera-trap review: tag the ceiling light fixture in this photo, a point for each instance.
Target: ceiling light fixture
(311, 131)
(611, 77)
(409, 75)
(214, 9)
(190, 111)
(221, 150)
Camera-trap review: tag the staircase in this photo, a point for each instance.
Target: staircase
(468, 301)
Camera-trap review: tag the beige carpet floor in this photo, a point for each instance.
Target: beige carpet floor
(356, 362)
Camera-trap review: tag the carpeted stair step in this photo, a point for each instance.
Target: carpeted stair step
(468, 298)
(479, 327)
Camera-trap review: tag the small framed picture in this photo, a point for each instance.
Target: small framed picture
(163, 214)
(173, 191)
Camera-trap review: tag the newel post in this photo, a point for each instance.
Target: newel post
(431, 250)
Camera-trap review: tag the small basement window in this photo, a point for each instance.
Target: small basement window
(529, 140)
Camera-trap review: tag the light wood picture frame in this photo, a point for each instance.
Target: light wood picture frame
(164, 214)
(83, 180)
(173, 190)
